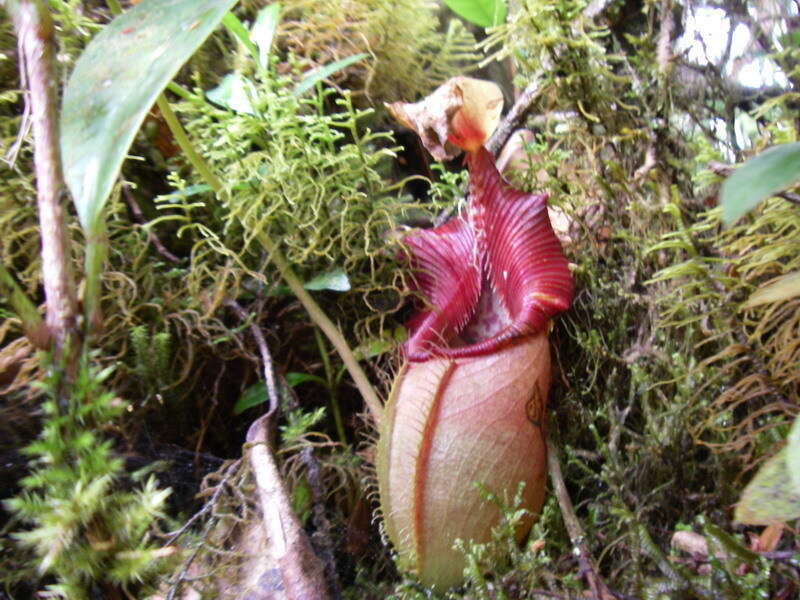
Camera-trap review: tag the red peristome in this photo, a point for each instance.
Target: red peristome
(500, 272)
(448, 277)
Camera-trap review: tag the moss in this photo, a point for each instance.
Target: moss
(410, 51)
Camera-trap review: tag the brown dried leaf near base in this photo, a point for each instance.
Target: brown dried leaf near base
(460, 114)
(300, 572)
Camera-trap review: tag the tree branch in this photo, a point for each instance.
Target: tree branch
(513, 119)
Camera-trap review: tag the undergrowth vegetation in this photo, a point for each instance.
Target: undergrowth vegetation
(667, 394)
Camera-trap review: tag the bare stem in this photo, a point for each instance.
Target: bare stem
(576, 534)
(36, 39)
(322, 321)
(266, 358)
(185, 144)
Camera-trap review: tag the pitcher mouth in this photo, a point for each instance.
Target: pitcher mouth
(496, 274)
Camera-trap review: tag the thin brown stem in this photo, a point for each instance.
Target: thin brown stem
(576, 535)
(514, 118)
(266, 358)
(151, 236)
(36, 40)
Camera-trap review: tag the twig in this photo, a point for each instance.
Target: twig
(321, 523)
(140, 218)
(514, 118)
(227, 474)
(648, 165)
(266, 358)
(36, 40)
(576, 535)
(724, 170)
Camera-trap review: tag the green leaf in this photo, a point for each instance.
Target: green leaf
(335, 281)
(486, 13)
(793, 454)
(253, 396)
(234, 92)
(116, 81)
(263, 31)
(293, 379)
(783, 288)
(771, 496)
(321, 73)
(237, 28)
(759, 178)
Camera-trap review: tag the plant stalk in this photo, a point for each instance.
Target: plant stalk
(185, 144)
(36, 36)
(94, 259)
(330, 377)
(322, 321)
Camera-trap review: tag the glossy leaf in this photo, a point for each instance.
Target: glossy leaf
(771, 496)
(322, 73)
(486, 13)
(116, 81)
(293, 379)
(759, 178)
(256, 394)
(263, 32)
